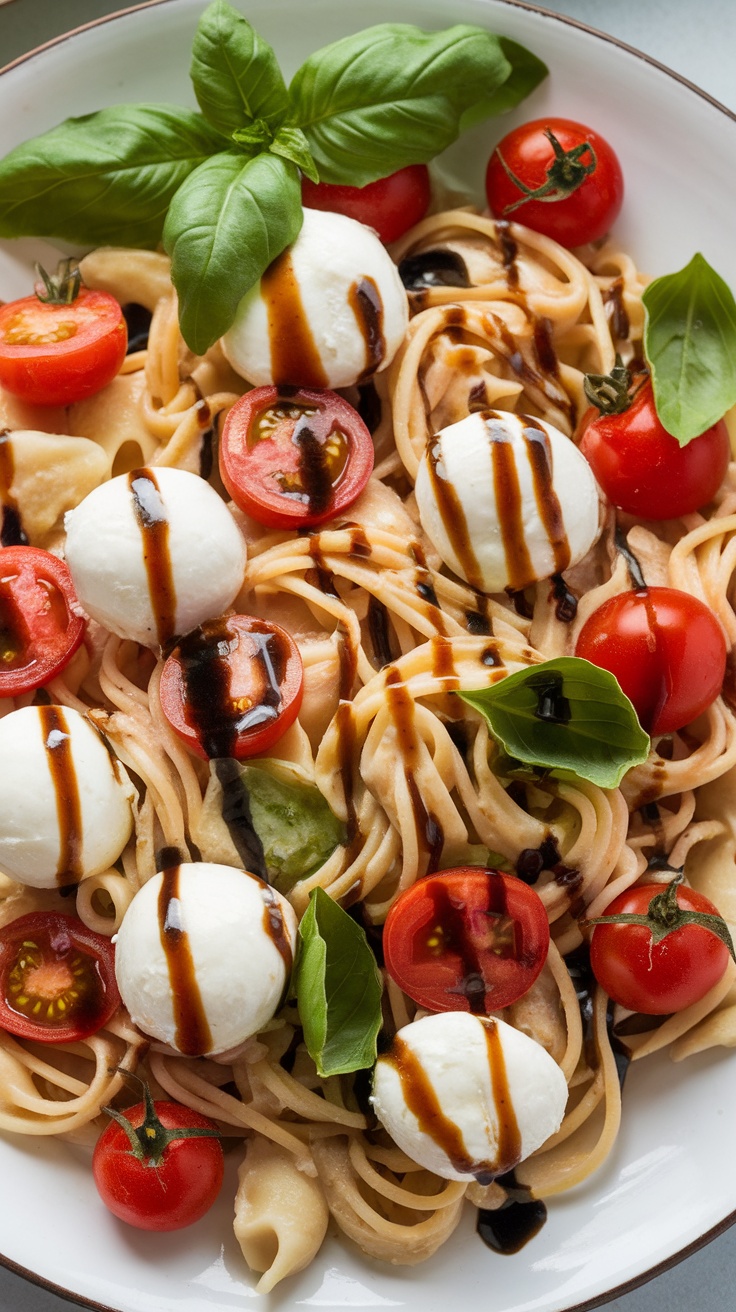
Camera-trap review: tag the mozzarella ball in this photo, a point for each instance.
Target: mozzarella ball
(65, 802)
(506, 500)
(329, 311)
(203, 956)
(499, 1101)
(153, 554)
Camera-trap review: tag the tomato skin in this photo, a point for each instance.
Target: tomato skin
(93, 341)
(657, 979)
(643, 469)
(39, 619)
(392, 205)
(583, 216)
(233, 659)
(666, 649)
(440, 945)
(173, 1194)
(75, 960)
(261, 455)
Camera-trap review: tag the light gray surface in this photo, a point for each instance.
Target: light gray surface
(697, 40)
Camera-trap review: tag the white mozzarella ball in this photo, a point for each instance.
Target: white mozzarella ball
(498, 1102)
(65, 802)
(203, 956)
(329, 311)
(506, 500)
(154, 553)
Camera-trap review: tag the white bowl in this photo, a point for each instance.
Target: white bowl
(671, 1180)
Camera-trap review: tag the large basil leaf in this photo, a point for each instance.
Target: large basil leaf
(527, 71)
(297, 829)
(690, 344)
(225, 225)
(235, 72)
(565, 714)
(391, 96)
(106, 178)
(338, 989)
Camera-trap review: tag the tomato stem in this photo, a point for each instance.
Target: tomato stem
(665, 915)
(149, 1140)
(564, 175)
(60, 288)
(610, 393)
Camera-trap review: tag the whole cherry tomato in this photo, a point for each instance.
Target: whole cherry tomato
(391, 206)
(558, 177)
(658, 977)
(232, 687)
(57, 978)
(466, 940)
(643, 469)
(40, 623)
(666, 649)
(297, 460)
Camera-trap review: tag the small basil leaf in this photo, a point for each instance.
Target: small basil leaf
(103, 179)
(565, 714)
(338, 989)
(690, 344)
(391, 95)
(225, 225)
(292, 144)
(292, 819)
(235, 73)
(527, 71)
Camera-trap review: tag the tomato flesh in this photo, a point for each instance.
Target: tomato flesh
(666, 649)
(657, 979)
(57, 978)
(40, 624)
(391, 206)
(57, 354)
(466, 940)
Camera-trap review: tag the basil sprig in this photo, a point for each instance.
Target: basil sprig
(338, 989)
(565, 714)
(690, 344)
(357, 110)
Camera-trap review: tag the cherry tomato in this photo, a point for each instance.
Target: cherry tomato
(657, 978)
(56, 354)
(57, 978)
(294, 460)
(232, 686)
(168, 1190)
(40, 624)
(466, 940)
(567, 181)
(392, 205)
(643, 469)
(666, 649)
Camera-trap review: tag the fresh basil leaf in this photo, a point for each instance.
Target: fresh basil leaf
(296, 827)
(225, 225)
(235, 73)
(104, 179)
(338, 989)
(292, 144)
(690, 344)
(527, 71)
(392, 95)
(565, 714)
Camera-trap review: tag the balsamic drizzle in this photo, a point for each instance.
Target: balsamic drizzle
(12, 533)
(435, 268)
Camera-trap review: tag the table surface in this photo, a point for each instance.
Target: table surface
(699, 42)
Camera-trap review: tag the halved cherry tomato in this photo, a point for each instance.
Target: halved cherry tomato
(643, 469)
(294, 459)
(657, 978)
(558, 177)
(392, 205)
(57, 978)
(466, 940)
(666, 649)
(232, 686)
(56, 354)
(40, 624)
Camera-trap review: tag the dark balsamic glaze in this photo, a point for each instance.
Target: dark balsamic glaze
(57, 741)
(150, 514)
(273, 924)
(478, 624)
(365, 301)
(319, 576)
(12, 533)
(452, 515)
(613, 299)
(567, 603)
(380, 628)
(436, 268)
(507, 493)
(401, 708)
(138, 320)
(520, 602)
(237, 816)
(193, 1035)
(638, 582)
(477, 398)
(293, 350)
(533, 860)
(509, 1227)
(552, 705)
(548, 505)
(509, 252)
(315, 476)
(369, 406)
(584, 981)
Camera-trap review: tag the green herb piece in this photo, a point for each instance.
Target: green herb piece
(235, 72)
(297, 829)
(293, 145)
(338, 989)
(565, 714)
(690, 344)
(526, 74)
(106, 178)
(392, 95)
(226, 224)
